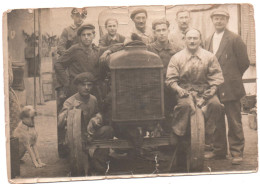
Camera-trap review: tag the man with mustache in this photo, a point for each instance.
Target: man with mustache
(139, 17)
(177, 37)
(88, 104)
(232, 55)
(194, 75)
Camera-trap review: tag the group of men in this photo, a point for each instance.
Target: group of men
(209, 78)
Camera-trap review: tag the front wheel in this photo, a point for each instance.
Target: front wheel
(196, 142)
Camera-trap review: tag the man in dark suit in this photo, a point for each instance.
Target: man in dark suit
(231, 53)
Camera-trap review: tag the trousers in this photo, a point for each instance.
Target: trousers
(235, 128)
(185, 108)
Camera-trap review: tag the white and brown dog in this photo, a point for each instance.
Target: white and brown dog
(27, 135)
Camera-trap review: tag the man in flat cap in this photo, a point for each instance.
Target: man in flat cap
(139, 17)
(232, 55)
(81, 57)
(177, 37)
(163, 48)
(90, 129)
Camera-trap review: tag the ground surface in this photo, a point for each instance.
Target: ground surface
(46, 127)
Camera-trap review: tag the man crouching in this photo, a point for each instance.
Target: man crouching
(92, 124)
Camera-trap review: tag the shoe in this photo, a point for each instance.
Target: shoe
(237, 160)
(212, 155)
(208, 147)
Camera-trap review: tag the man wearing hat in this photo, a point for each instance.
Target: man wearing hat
(69, 34)
(81, 57)
(139, 17)
(231, 53)
(88, 104)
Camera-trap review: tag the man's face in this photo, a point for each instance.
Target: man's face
(192, 40)
(77, 18)
(87, 37)
(84, 88)
(220, 22)
(140, 20)
(112, 27)
(161, 32)
(183, 20)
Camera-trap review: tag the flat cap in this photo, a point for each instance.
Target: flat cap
(140, 10)
(160, 21)
(83, 77)
(220, 12)
(83, 27)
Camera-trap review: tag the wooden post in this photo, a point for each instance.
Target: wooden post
(35, 69)
(39, 53)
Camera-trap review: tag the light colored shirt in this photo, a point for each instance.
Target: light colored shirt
(188, 70)
(217, 37)
(177, 38)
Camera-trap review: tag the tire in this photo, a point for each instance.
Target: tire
(196, 142)
(77, 157)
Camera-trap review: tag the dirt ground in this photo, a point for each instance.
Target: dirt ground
(46, 127)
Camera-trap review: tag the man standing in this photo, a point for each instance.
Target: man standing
(139, 17)
(69, 34)
(163, 48)
(81, 57)
(90, 129)
(194, 74)
(233, 59)
(112, 37)
(177, 37)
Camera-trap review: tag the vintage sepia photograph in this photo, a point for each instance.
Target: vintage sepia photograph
(130, 91)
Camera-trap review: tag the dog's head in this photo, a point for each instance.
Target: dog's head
(27, 115)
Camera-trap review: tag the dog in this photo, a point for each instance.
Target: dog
(27, 135)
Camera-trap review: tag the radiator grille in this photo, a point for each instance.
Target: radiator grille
(138, 94)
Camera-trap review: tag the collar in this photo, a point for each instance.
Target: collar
(28, 125)
(79, 99)
(93, 47)
(73, 26)
(219, 34)
(197, 54)
(181, 31)
(158, 46)
(146, 32)
(116, 37)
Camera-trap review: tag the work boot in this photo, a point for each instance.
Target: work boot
(237, 160)
(212, 155)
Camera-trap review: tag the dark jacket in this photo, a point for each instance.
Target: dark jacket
(233, 60)
(106, 41)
